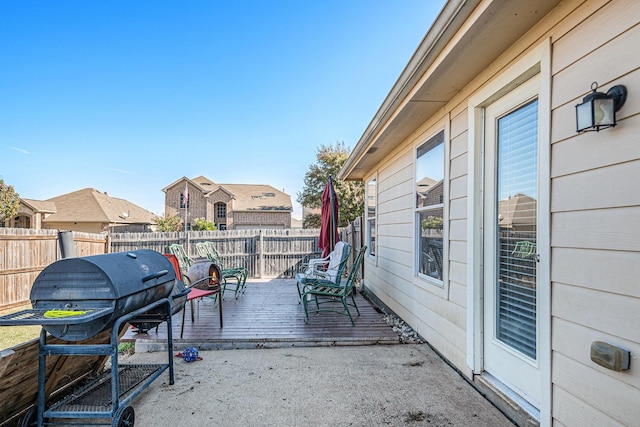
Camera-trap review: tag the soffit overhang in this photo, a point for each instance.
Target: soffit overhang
(464, 40)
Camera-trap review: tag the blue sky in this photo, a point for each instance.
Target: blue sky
(128, 96)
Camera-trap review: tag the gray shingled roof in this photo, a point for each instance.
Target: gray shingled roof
(249, 197)
(40, 205)
(91, 205)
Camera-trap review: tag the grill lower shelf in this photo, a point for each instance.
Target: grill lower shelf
(96, 396)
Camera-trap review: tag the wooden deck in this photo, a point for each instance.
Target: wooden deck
(267, 315)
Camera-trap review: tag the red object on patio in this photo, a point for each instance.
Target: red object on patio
(329, 227)
(194, 293)
(176, 265)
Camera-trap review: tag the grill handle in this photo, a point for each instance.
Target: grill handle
(155, 275)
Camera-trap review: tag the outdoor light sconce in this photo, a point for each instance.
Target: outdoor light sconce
(598, 110)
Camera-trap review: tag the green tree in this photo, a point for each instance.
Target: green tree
(9, 201)
(330, 160)
(202, 224)
(168, 223)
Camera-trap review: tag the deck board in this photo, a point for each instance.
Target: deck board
(267, 315)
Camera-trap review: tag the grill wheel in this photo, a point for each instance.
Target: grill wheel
(30, 418)
(124, 417)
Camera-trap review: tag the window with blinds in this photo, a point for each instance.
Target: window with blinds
(517, 189)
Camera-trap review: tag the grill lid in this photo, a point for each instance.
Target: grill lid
(94, 281)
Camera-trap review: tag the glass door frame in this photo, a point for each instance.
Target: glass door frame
(537, 61)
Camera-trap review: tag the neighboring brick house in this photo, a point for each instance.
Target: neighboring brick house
(87, 210)
(229, 206)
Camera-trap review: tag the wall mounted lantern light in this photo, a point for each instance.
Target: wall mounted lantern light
(598, 110)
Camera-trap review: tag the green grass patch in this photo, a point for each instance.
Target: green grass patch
(10, 336)
(127, 348)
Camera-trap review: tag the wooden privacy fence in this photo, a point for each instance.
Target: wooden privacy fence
(24, 253)
(266, 253)
(352, 234)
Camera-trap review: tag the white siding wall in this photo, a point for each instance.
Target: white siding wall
(595, 217)
(394, 235)
(437, 313)
(595, 207)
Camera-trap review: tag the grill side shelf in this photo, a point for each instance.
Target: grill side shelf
(37, 317)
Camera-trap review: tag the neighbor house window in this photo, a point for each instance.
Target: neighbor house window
(185, 200)
(221, 210)
(372, 200)
(182, 201)
(430, 206)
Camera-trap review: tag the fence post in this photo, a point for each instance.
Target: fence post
(261, 255)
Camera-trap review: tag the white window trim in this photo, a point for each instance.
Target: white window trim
(375, 219)
(445, 213)
(537, 61)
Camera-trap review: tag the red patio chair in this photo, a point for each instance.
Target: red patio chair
(198, 289)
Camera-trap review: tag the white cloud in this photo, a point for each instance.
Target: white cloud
(20, 150)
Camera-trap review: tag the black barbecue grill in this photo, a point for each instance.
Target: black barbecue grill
(74, 299)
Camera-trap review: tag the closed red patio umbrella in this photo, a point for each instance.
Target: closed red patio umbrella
(329, 227)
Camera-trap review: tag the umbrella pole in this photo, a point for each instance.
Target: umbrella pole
(332, 239)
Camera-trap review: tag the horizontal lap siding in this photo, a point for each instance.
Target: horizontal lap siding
(577, 380)
(612, 229)
(618, 401)
(595, 208)
(599, 311)
(592, 189)
(597, 269)
(395, 237)
(595, 150)
(444, 336)
(567, 407)
(458, 187)
(458, 171)
(436, 313)
(567, 342)
(456, 305)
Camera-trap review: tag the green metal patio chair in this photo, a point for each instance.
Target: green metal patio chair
(183, 259)
(318, 271)
(328, 298)
(524, 249)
